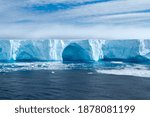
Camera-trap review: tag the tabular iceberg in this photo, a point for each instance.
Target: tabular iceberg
(74, 50)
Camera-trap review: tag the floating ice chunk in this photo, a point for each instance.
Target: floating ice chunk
(127, 72)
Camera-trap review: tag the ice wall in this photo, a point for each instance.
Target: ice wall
(32, 51)
(73, 50)
(56, 49)
(83, 51)
(5, 50)
(145, 48)
(117, 49)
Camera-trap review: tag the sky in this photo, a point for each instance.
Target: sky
(74, 19)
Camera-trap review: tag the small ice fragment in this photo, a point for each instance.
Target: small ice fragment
(90, 72)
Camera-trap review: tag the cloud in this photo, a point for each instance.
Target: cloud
(106, 19)
(105, 8)
(57, 1)
(72, 32)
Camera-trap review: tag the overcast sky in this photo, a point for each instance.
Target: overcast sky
(74, 19)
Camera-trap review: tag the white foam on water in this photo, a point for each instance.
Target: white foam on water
(117, 62)
(127, 72)
(90, 73)
(53, 72)
(9, 67)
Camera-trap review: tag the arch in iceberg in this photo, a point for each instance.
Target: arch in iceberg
(75, 53)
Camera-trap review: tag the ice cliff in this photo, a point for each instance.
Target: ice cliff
(74, 50)
(127, 49)
(5, 50)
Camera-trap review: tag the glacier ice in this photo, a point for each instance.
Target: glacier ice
(56, 49)
(145, 48)
(96, 46)
(118, 49)
(83, 51)
(73, 50)
(33, 51)
(5, 50)
(76, 53)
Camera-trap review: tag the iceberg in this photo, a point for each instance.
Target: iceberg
(74, 50)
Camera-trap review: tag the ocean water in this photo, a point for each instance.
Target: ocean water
(74, 81)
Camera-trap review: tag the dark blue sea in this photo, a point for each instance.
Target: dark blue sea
(82, 81)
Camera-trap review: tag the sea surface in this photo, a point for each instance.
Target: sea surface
(74, 81)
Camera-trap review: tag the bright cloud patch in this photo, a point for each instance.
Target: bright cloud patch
(75, 19)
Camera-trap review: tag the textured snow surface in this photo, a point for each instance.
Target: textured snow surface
(74, 50)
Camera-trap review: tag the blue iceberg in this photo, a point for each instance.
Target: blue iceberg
(74, 50)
